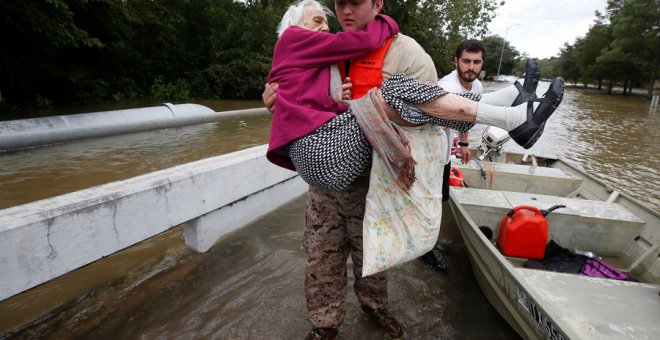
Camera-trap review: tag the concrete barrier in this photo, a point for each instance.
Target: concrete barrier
(45, 239)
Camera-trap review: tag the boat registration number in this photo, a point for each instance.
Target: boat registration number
(535, 312)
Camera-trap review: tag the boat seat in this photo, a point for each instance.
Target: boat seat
(592, 308)
(521, 178)
(602, 227)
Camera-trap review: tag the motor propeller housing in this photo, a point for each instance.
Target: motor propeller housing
(492, 140)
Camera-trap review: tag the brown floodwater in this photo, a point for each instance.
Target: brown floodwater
(38, 173)
(609, 136)
(249, 286)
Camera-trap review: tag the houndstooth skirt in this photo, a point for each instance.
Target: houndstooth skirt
(335, 154)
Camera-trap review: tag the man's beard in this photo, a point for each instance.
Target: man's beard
(466, 78)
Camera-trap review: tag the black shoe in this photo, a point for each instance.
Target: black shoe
(529, 132)
(436, 258)
(322, 334)
(528, 89)
(385, 320)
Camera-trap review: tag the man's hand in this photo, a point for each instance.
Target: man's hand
(465, 154)
(465, 151)
(269, 95)
(346, 89)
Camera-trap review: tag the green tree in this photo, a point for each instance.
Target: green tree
(636, 36)
(440, 25)
(241, 51)
(496, 47)
(568, 63)
(619, 67)
(597, 39)
(77, 51)
(550, 67)
(37, 36)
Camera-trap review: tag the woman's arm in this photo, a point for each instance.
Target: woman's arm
(302, 47)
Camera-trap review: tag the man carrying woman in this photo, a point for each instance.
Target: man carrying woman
(320, 137)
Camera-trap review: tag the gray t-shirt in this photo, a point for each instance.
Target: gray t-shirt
(406, 56)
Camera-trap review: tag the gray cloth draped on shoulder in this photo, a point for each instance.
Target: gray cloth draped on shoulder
(337, 153)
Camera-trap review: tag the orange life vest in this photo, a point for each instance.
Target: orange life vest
(456, 178)
(366, 72)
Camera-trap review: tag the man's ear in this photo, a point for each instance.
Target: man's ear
(456, 62)
(378, 5)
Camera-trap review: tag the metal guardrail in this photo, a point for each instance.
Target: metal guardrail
(34, 132)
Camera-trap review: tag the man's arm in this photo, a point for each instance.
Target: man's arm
(270, 93)
(466, 154)
(406, 56)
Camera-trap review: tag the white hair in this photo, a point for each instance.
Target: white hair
(295, 15)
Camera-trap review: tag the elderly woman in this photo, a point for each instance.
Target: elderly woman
(316, 134)
(305, 107)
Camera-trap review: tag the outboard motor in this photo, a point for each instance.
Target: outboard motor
(492, 140)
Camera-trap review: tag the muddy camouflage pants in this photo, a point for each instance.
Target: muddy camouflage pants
(333, 230)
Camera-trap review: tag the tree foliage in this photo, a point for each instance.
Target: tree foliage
(85, 51)
(497, 48)
(440, 25)
(591, 47)
(621, 47)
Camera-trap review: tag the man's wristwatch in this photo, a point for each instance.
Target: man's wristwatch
(463, 144)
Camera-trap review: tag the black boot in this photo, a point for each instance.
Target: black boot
(436, 258)
(385, 321)
(322, 334)
(529, 132)
(528, 89)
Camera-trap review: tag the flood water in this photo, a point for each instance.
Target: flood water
(249, 286)
(610, 136)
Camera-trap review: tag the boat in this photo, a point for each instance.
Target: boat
(607, 222)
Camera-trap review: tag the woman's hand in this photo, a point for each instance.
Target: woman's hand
(466, 154)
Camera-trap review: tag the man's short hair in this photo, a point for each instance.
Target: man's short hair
(471, 45)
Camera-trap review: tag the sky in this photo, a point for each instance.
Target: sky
(544, 25)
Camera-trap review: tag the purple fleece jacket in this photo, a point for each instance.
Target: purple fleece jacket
(301, 67)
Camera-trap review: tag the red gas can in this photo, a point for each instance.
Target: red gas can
(524, 232)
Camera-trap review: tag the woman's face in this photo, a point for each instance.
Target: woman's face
(315, 20)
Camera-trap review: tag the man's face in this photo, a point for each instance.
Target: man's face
(469, 65)
(355, 14)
